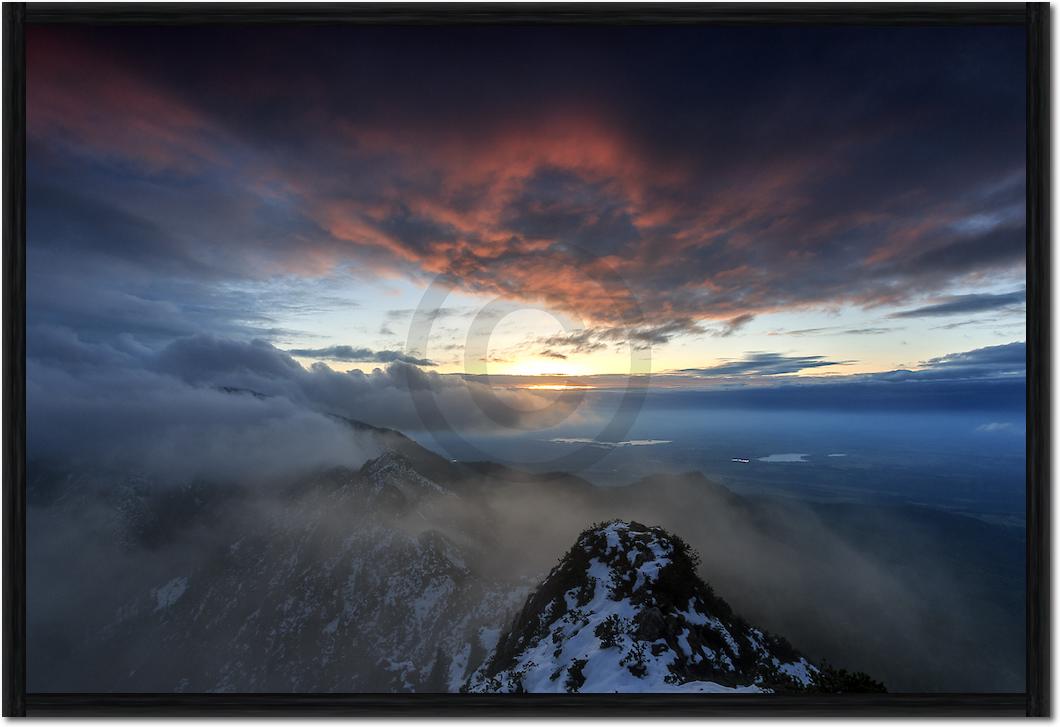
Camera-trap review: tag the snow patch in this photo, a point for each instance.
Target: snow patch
(171, 592)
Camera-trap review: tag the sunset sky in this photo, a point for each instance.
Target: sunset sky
(763, 202)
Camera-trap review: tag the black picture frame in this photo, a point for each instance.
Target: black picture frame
(1033, 702)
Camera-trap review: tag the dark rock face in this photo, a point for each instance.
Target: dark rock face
(650, 624)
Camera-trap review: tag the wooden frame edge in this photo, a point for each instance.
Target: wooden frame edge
(14, 361)
(922, 13)
(1035, 701)
(1038, 360)
(528, 705)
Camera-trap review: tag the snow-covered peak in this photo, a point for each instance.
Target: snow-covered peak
(394, 470)
(624, 611)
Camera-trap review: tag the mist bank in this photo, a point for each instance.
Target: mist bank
(147, 466)
(921, 599)
(215, 408)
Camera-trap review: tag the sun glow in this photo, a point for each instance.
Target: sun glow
(558, 387)
(543, 367)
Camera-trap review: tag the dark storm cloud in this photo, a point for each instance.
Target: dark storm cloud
(732, 325)
(106, 260)
(359, 355)
(176, 413)
(577, 342)
(386, 397)
(595, 339)
(850, 395)
(804, 332)
(996, 363)
(110, 412)
(764, 364)
(1007, 361)
(973, 303)
(987, 378)
(664, 332)
(865, 331)
(71, 223)
(646, 174)
(833, 331)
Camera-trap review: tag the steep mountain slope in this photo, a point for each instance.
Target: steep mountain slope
(399, 576)
(351, 581)
(624, 611)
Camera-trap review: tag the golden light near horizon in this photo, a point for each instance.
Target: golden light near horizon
(520, 343)
(558, 387)
(544, 367)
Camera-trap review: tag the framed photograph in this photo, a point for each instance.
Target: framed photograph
(525, 359)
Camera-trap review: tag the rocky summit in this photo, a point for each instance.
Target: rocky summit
(624, 611)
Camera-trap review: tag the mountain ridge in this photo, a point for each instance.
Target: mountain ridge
(625, 611)
(476, 514)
